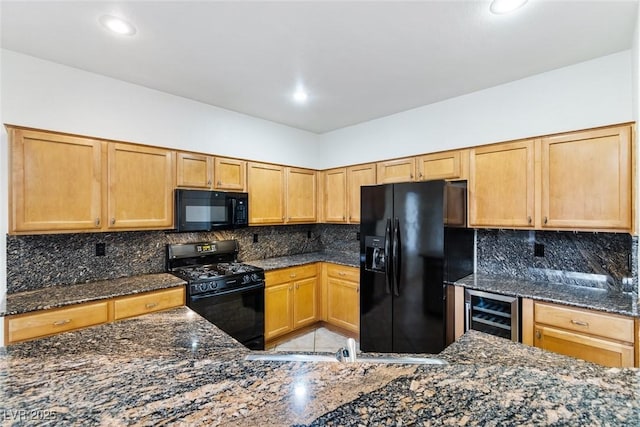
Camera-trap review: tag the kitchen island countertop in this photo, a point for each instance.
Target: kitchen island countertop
(175, 368)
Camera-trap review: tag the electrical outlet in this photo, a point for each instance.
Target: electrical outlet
(357, 235)
(101, 249)
(538, 249)
(255, 238)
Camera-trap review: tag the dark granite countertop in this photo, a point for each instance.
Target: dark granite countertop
(60, 296)
(174, 368)
(344, 258)
(579, 296)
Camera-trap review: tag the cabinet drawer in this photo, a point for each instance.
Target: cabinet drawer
(147, 303)
(49, 322)
(351, 274)
(603, 352)
(290, 274)
(586, 321)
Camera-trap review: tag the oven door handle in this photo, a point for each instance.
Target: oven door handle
(230, 291)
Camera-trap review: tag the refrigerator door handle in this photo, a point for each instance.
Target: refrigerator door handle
(396, 257)
(387, 257)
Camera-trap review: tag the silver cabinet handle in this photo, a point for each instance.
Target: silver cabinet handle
(538, 334)
(113, 221)
(61, 322)
(209, 182)
(529, 219)
(97, 222)
(411, 175)
(150, 305)
(546, 220)
(297, 286)
(420, 175)
(341, 273)
(580, 323)
(292, 275)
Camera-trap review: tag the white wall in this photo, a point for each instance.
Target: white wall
(45, 95)
(589, 94)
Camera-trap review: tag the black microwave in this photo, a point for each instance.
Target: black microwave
(201, 210)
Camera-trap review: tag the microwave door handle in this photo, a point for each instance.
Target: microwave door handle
(233, 210)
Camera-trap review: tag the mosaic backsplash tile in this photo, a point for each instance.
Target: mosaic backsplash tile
(584, 259)
(38, 261)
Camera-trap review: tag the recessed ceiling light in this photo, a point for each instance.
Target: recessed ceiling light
(300, 96)
(500, 7)
(117, 25)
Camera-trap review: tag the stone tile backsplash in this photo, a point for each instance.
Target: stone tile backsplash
(584, 259)
(587, 259)
(39, 261)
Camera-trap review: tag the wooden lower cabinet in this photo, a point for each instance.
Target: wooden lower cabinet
(148, 302)
(291, 299)
(590, 335)
(42, 323)
(342, 288)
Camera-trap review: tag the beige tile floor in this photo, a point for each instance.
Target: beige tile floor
(319, 340)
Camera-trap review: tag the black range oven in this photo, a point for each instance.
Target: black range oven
(227, 293)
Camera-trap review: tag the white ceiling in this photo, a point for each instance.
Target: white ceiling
(358, 60)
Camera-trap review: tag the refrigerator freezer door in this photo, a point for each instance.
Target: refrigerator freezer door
(419, 309)
(375, 292)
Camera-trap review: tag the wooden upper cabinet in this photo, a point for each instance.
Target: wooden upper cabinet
(230, 174)
(587, 180)
(301, 195)
(140, 187)
(56, 182)
(357, 176)
(445, 165)
(399, 170)
(335, 195)
(501, 185)
(193, 170)
(266, 193)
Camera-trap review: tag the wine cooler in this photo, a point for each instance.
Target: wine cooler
(493, 314)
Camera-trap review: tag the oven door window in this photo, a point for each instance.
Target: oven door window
(239, 313)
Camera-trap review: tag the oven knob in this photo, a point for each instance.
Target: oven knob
(255, 277)
(202, 287)
(246, 279)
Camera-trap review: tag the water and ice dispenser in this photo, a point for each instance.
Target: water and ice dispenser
(375, 253)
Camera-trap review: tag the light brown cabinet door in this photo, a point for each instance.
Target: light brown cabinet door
(357, 176)
(266, 193)
(301, 195)
(399, 170)
(56, 182)
(278, 306)
(445, 165)
(230, 174)
(586, 180)
(335, 195)
(305, 302)
(193, 170)
(343, 304)
(43, 323)
(148, 302)
(501, 185)
(140, 187)
(592, 349)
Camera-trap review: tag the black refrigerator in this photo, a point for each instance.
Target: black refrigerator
(413, 242)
